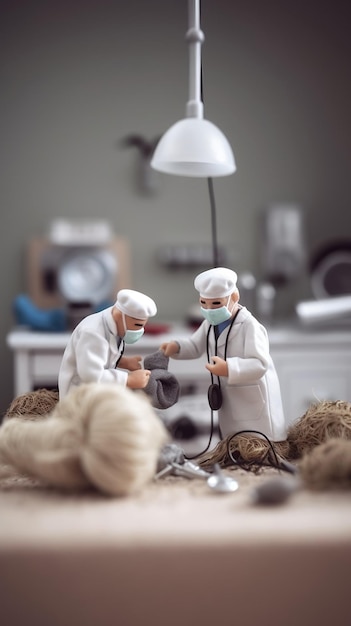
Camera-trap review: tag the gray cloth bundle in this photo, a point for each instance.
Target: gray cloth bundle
(163, 387)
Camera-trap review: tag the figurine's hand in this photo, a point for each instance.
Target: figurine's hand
(138, 379)
(170, 348)
(219, 366)
(130, 363)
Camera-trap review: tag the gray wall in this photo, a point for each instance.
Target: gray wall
(77, 76)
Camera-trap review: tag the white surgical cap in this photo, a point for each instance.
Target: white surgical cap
(135, 304)
(216, 283)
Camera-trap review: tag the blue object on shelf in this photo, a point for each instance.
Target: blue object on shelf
(28, 314)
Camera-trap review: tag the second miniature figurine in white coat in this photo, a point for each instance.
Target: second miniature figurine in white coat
(94, 352)
(237, 347)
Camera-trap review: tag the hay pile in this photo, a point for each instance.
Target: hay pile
(247, 450)
(327, 466)
(321, 422)
(318, 443)
(33, 405)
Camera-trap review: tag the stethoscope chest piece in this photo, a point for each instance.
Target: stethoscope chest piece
(214, 393)
(215, 398)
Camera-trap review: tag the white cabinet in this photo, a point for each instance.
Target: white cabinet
(37, 358)
(311, 365)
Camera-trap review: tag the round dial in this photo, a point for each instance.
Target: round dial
(331, 271)
(87, 276)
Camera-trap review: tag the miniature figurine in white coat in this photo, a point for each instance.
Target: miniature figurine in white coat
(94, 352)
(237, 346)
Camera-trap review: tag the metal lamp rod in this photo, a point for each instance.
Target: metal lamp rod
(195, 108)
(195, 38)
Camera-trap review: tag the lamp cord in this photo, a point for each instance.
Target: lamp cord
(213, 222)
(215, 256)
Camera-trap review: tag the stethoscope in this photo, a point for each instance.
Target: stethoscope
(120, 341)
(214, 394)
(122, 350)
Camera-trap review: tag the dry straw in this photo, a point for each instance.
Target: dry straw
(110, 437)
(321, 422)
(105, 436)
(33, 405)
(246, 449)
(327, 466)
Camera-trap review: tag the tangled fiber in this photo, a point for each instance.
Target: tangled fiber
(100, 435)
(327, 466)
(246, 449)
(321, 422)
(110, 437)
(33, 405)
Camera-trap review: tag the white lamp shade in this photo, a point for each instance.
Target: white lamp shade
(194, 147)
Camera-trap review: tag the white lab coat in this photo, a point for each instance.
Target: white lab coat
(91, 354)
(251, 392)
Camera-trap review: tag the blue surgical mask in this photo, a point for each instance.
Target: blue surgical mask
(131, 336)
(217, 316)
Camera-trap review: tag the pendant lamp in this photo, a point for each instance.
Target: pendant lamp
(194, 146)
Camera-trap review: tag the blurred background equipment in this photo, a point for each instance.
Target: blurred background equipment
(145, 175)
(282, 253)
(80, 265)
(331, 270)
(283, 244)
(332, 311)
